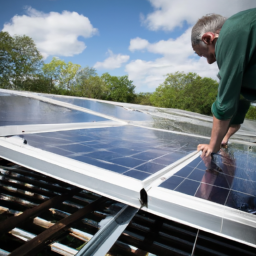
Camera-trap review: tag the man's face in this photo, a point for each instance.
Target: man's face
(207, 51)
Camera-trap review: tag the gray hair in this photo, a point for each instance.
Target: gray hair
(209, 23)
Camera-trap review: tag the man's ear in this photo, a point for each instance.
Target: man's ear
(208, 38)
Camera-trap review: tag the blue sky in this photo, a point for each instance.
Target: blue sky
(144, 39)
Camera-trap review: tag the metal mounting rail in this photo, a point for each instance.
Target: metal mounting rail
(101, 243)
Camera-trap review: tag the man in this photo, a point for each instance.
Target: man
(232, 43)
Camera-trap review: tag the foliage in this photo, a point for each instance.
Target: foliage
(85, 73)
(186, 91)
(88, 84)
(251, 114)
(37, 83)
(119, 88)
(143, 98)
(6, 42)
(19, 60)
(60, 73)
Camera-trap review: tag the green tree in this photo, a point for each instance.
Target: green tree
(6, 69)
(88, 84)
(143, 98)
(251, 114)
(92, 87)
(186, 91)
(85, 73)
(60, 73)
(119, 89)
(38, 83)
(19, 60)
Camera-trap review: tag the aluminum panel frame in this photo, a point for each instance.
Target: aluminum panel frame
(38, 128)
(203, 215)
(101, 181)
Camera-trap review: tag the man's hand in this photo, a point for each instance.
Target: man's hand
(206, 149)
(219, 130)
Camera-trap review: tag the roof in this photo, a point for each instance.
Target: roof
(110, 149)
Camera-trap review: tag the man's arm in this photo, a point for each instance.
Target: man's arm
(232, 130)
(237, 119)
(219, 130)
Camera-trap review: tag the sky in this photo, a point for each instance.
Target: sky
(144, 39)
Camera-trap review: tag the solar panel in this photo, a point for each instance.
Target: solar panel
(120, 162)
(145, 153)
(18, 110)
(231, 183)
(104, 108)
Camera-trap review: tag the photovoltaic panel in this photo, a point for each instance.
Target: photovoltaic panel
(19, 110)
(132, 151)
(104, 108)
(229, 180)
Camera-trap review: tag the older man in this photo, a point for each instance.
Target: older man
(232, 43)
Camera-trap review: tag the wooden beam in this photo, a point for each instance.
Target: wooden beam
(15, 221)
(35, 245)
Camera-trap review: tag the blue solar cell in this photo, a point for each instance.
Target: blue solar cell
(137, 174)
(165, 160)
(188, 187)
(96, 145)
(124, 151)
(195, 162)
(212, 193)
(77, 148)
(241, 201)
(201, 166)
(150, 167)
(146, 156)
(220, 180)
(196, 175)
(172, 182)
(245, 186)
(105, 165)
(59, 151)
(104, 155)
(185, 171)
(127, 161)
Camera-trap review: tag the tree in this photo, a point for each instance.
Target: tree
(251, 114)
(92, 87)
(60, 73)
(6, 69)
(88, 84)
(119, 89)
(186, 91)
(143, 98)
(19, 60)
(85, 73)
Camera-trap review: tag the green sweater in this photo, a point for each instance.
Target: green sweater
(236, 58)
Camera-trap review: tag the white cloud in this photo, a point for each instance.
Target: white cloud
(54, 33)
(138, 44)
(113, 61)
(169, 14)
(177, 55)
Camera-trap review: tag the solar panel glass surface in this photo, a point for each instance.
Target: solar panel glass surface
(128, 150)
(104, 108)
(19, 110)
(229, 180)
